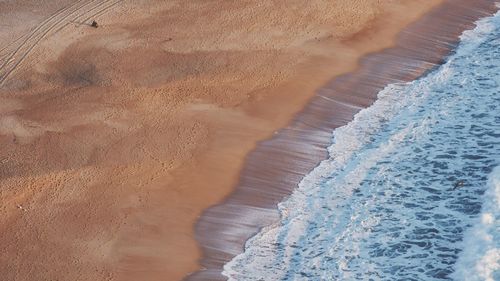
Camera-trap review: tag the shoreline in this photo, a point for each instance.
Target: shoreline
(110, 156)
(295, 150)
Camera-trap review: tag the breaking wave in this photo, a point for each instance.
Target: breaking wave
(404, 194)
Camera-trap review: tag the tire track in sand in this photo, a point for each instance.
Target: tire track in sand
(73, 13)
(36, 30)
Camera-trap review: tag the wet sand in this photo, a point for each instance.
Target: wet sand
(114, 140)
(275, 167)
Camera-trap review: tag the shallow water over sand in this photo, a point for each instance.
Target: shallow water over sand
(402, 196)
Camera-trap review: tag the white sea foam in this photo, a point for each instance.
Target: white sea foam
(403, 182)
(480, 259)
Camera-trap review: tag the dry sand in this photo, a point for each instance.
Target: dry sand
(274, 168)
(114, 140)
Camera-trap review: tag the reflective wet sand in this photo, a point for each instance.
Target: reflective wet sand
(275, 167)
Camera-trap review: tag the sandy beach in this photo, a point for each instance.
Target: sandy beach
(114, 140)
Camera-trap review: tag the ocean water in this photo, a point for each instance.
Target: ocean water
(411, 190)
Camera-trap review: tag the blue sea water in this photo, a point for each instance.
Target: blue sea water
(411, 190)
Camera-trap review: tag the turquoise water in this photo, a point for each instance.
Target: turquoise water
(410, 190)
